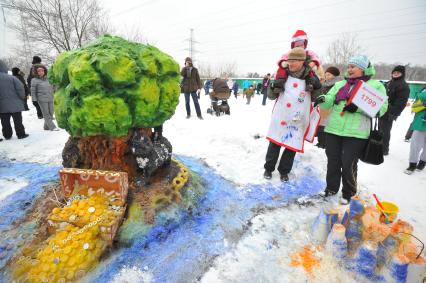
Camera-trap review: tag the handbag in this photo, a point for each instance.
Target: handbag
(373, 151)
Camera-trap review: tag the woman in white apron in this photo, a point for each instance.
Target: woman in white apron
(291, 114)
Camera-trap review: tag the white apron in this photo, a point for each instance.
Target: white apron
(290, 116)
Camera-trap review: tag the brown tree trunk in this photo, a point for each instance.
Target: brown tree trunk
(103, 153)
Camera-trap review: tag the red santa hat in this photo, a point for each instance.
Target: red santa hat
(299, 35)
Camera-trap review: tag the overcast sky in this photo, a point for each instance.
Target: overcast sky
(253, 34)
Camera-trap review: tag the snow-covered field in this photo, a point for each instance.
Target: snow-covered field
(228, 144)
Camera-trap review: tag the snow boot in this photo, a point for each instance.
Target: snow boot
(410, 169)
(421, 165)
(267, 174)
(343, 201)
(327, 193)
(284, 177)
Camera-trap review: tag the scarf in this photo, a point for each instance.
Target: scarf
(188, 72)
(345, 92)
(329, 83)
(301, 74)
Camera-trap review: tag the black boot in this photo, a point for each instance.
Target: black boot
(267, 175)
(410, 169)
(421, 165)
(327, 193)
(284, 177)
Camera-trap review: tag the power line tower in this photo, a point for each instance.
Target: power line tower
(191, 42)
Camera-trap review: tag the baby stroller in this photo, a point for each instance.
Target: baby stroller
(219, 98)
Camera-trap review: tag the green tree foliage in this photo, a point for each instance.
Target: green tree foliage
(112, 85)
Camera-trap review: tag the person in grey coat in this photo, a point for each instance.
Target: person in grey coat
(12, 95)
(36, 61)
(43, 93)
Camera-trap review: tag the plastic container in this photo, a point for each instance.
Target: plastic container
(397, 269)
(391, 210)
(366, 260)
(337, 244)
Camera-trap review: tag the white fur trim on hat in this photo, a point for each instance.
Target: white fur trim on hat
(299, 38)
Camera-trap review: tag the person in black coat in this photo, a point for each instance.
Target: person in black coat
(265, 84)
(398, 93)
(36, 61)
(16, 72)
(235, 88)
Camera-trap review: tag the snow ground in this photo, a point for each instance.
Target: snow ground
(228, 145)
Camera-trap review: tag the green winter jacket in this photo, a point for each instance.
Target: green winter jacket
(356, 125)
(418, 123)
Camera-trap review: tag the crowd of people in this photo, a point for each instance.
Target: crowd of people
(300, 85)
(15, 92)
(300, 88)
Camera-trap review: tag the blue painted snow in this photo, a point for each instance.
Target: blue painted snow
(15, 206)
(184, 248)
(182, 245)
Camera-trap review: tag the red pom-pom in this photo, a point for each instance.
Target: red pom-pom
(288, 104)
(283, 123)
(295, 84)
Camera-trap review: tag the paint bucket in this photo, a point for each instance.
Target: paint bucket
(397, 269)
(385, 250)
(416, 270)
(320, 227)
(356, 207)
(366, 260)
(337, 245)
(323, 224)
(391, 211)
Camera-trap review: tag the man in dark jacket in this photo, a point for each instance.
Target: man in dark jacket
(36, 61)
(398, 93)
(265, 84)
(16, 72)
(191, 86)
(12, 97)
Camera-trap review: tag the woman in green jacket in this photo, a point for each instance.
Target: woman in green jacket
(347, 134)
(418, 140)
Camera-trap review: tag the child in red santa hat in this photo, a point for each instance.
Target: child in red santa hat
(299, 39)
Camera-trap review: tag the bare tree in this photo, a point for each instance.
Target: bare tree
(206, 70)
(134, 34)
(227, 69)
(343, 48)
(61, 25)
(253, 75)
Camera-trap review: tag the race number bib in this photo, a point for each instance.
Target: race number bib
(367, 98)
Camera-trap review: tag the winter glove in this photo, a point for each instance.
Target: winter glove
(278, 86)
(319, 100)
(352, 108)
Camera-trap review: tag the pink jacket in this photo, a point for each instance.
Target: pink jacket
(312, 54)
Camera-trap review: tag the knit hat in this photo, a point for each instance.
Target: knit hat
(400, 69)
(299, 35)
(36, 60)
(15, 71)
(361, 61)
(333, 70)
(297, 53)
